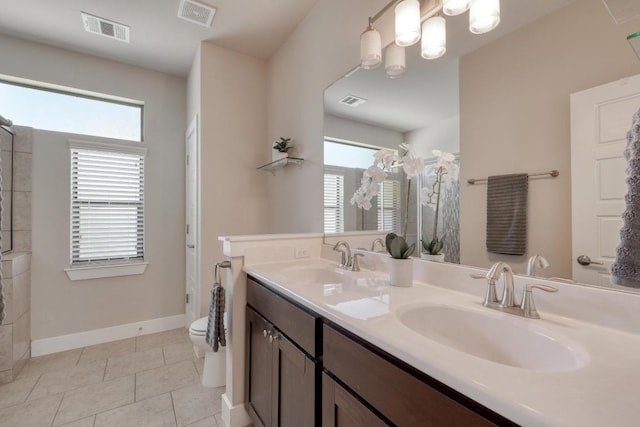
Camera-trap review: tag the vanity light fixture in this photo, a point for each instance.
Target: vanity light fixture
(484, 16)
(407, 22)
(434, 37)
(370, 47)
(394, 63)
(455, 7)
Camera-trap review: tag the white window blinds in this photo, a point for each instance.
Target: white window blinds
(388, 203)
(333, 203)
(107, 203)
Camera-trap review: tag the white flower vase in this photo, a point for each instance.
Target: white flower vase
(430, 257)
(401, 272)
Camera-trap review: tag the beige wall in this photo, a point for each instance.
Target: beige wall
(324, 46)
(514, 117)
(233, 123)
(60, 306)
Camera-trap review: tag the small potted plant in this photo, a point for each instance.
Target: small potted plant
(400, 267)
(282, 147)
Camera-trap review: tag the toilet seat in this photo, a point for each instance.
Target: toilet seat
(199, 327)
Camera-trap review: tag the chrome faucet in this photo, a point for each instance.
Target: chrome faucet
(377, 241)
(344, 248)
(536, 261)
(503, 269)
(507, 303)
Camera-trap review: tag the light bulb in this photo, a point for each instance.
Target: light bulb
(434, 37)
(455, 7)
(484, 16)
(370, 48)
(407, 22)
(394, 64)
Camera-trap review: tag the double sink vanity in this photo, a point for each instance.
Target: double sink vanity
(327, 346)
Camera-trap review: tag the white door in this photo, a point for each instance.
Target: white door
(192, 291)
(600, 119)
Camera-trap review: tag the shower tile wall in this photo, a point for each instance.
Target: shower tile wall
(22, 190)
(15, 330)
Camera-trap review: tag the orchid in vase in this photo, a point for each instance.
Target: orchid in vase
(370, 186)
(443, 171)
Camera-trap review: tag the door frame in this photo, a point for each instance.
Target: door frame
(194, 229)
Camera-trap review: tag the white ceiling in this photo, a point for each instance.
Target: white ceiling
(428, 91)
(159, 39)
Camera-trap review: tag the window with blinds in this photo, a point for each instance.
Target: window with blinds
(333, 203)
(107, 203)
(388, 202)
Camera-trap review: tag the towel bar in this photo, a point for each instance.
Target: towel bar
(223, 264)
(554, 173)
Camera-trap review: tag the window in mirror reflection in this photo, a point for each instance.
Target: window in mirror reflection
(344, 164)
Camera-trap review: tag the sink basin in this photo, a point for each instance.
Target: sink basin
(321, 275)
(497, 337)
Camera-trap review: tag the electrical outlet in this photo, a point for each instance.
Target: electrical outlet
(302, 252)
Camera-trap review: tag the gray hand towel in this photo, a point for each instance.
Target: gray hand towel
(507, 214)
(625, 270)
(215, 336)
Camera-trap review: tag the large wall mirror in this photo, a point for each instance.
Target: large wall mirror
(501, 103)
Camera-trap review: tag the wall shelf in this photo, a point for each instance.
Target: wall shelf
(280, 163)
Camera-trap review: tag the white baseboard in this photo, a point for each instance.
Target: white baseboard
(99, 336)
(234, 416)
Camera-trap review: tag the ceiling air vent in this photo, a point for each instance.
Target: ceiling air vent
(104, 27)
(195, 12)
(352, 101)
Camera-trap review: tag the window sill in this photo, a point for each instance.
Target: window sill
(102, 271)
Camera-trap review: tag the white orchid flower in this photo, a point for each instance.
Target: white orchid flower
(376, 174)
(384, 156)
(412, 166)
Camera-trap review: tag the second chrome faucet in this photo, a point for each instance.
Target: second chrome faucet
(347, 261)
(508, 303)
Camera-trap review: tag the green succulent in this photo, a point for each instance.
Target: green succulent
(397, 246)
(434, 247)
(282, 145)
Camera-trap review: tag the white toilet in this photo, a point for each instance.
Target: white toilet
(215, 363)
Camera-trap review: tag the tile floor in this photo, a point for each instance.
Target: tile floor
(152, 380)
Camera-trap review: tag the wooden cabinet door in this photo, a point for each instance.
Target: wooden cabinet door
(259, 369)
(341, 409)
(294, 382)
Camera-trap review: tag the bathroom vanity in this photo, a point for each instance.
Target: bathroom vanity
(355, 384)
(326, 346)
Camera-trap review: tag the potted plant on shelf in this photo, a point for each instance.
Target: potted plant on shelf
(282, 147)
(400, 265)
(443, 170)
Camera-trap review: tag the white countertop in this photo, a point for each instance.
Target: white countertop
(602, 392)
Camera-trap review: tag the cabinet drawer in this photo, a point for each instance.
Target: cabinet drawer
(401, 397)
(299, 325)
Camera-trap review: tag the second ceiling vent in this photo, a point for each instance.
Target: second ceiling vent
(195, 12)
(104, 27)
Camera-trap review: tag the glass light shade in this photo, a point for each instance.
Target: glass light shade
(484, 15)
(455, 7)
(434, 37)
(407, 22)
(394, 63)
(370, 49)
